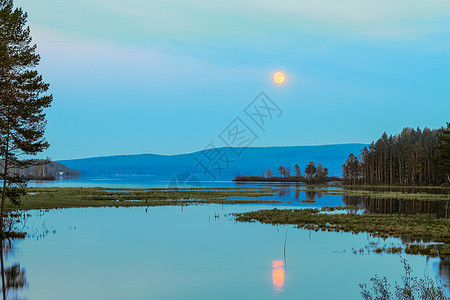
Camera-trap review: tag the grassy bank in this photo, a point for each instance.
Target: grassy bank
(396, 186)
(49, 198)
(413, 226)
(387, 195)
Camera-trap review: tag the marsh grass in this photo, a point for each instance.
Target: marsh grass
(419, 226)
(308, 201)
(49, 198)
(389, 195)
(351, 208)
(393, 250)
(396, 186)
(380, 194)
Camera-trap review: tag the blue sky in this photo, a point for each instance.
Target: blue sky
(168, 76)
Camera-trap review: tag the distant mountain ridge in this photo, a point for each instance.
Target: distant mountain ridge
(216, 164)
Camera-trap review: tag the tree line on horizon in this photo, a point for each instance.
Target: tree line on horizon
(413, 157)
(313, 174)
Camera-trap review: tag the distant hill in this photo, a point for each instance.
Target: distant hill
(224, 164)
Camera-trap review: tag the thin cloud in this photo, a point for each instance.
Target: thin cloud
(202, 20)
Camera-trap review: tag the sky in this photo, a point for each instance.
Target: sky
(168, 77)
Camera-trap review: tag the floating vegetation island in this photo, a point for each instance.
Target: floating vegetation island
(418, 226)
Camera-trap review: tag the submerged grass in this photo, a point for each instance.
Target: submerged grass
(413, 226)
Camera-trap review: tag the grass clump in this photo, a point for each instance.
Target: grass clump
(413, 226)
(308, 201)
(429, 250)
(334, 208)
(394, 250)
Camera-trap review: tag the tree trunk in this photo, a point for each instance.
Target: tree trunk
(5, 178)
(3, 269)
(390, 168)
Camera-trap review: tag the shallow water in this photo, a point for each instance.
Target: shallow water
(195, 252)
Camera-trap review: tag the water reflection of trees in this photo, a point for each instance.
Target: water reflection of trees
(352, 200)
(311, 195)
(319, 194)
(284, 190)
(444, 269)
(13, 277)
(399, 206)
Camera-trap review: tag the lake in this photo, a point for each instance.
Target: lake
(128, 182)
(198, 252)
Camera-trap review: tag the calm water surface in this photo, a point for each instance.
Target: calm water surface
(127, 181)
(194, 252)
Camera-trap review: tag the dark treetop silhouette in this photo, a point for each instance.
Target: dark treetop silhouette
(413, 157)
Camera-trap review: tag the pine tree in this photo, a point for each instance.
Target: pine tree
(351, 169)
(22, 119)
(320, 172)
(282, 171)
(298, 172)
(443, 152)
(310, 170)
(325, 172)
(287, 172)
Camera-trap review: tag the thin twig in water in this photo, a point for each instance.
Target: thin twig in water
(284, 250)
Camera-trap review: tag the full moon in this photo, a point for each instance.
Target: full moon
(279, 77)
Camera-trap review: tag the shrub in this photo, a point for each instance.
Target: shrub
(410, 288)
